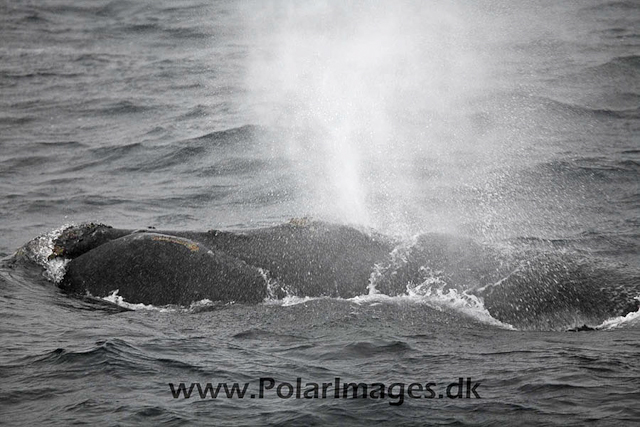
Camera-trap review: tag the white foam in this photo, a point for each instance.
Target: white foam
(432, 294)
(371, 299)
(202, 304)
(119, 300)
(435, 293)
(398, 258)
(290, 300)
(195, 306)
(632, 318)
(55, 269)
(436, 298)
(40, 249)
(272, 285)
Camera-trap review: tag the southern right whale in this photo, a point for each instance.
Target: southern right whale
(550, 290)
(315, 259)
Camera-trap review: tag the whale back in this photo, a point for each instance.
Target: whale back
(161, 269)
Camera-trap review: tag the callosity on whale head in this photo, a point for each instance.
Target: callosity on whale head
(75, 240)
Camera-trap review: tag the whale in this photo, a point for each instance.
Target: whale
(309, 258)
(161, 267)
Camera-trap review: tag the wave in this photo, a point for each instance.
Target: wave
(631, 62)
(623, 5)
(123, 108)
(13, 165)
(568, 109)
(601, 168)
(37, 74)
(117, 151)
(103, 355)
(190, 153)
(194, 156)
(16, 120)
(232, 136)
(153, 28)
(175, 157)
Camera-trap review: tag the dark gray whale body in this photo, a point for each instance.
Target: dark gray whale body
(313, 258)
(181, 267)
(161, 269)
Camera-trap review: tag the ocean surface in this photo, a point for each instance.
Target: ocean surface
(515, 124)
